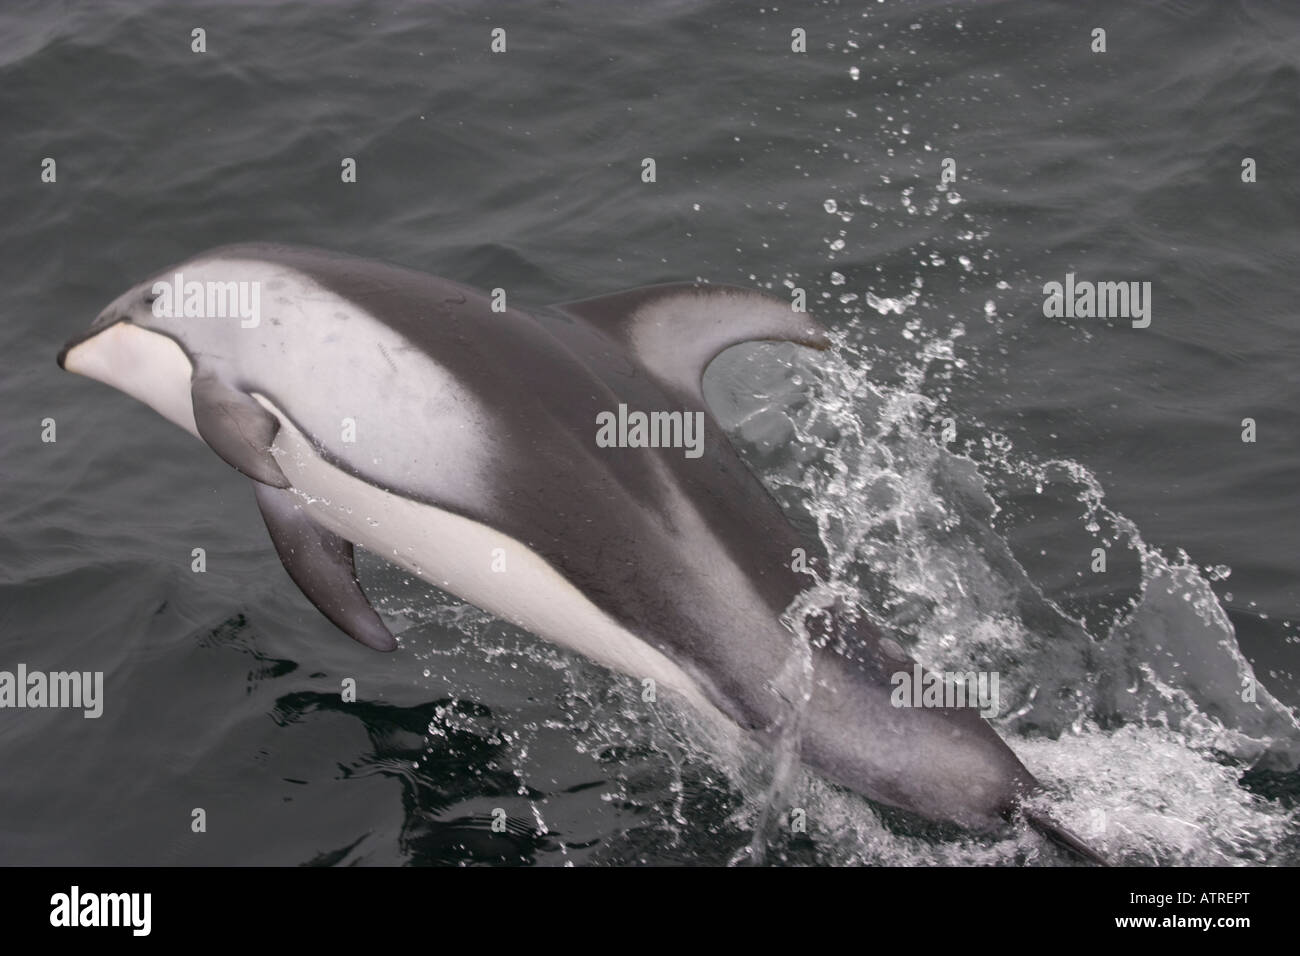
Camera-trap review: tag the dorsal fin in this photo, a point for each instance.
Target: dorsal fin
(676, 330)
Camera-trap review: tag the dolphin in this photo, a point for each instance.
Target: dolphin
(498, 454)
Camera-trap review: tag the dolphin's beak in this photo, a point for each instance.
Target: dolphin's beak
(147, 365)
(99, 325)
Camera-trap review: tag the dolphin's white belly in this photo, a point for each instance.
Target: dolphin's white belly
(458, 555)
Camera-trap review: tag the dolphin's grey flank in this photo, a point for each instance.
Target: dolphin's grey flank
(475, 449)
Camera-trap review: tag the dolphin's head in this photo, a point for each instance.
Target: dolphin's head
(144, 342)
(134, 306)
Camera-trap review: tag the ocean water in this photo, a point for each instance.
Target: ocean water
(961, 455)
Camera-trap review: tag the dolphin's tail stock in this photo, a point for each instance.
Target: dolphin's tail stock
(1062, 837)
(944, 763)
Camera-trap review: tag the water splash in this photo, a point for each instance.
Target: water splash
(1148, 723)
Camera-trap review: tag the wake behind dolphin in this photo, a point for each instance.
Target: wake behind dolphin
(559, 469)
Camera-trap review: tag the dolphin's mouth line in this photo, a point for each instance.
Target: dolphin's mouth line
(85, 336)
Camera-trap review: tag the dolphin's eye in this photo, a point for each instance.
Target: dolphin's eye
(150, 297)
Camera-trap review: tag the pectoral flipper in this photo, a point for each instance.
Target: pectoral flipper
(321, 564)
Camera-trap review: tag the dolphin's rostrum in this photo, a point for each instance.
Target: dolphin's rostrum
(380, 406)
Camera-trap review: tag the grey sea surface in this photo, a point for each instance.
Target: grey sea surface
(964, 457)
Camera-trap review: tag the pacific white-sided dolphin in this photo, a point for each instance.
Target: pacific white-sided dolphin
(383, 407)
